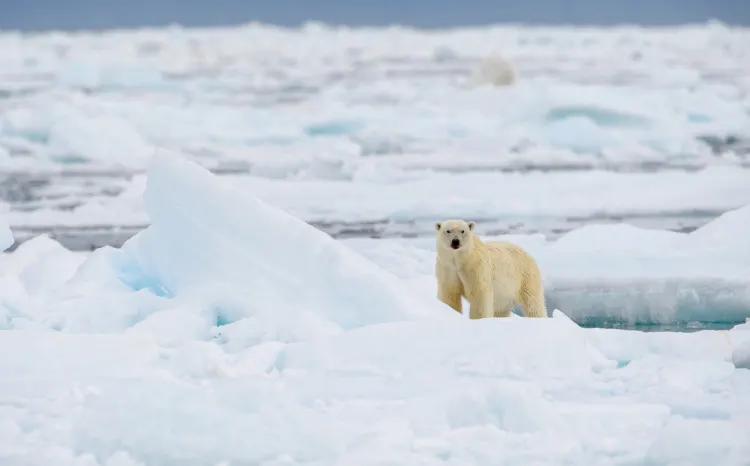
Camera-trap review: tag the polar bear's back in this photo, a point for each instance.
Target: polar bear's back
(511, 263)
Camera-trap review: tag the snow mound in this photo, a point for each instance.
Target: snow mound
(209, 242)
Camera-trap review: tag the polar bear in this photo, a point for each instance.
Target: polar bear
(492, 276)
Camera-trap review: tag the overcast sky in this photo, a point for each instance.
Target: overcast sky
(97, 14)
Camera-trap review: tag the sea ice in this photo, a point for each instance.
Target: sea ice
(276, 260)
(616, 97)
(230, 332)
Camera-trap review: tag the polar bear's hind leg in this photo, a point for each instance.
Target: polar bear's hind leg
(531, 299)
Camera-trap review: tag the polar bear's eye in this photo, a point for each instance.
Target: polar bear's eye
(448, 232)
(462, 232)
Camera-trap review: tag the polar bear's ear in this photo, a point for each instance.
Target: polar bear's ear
(471, 226)
(438, 226)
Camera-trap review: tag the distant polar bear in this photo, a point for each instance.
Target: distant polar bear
(492, 276)
(495, 71)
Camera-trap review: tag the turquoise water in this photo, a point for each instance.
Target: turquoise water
(658, 327)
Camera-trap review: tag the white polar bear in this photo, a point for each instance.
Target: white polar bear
(492, 276)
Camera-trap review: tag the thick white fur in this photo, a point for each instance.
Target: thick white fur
(492, 276)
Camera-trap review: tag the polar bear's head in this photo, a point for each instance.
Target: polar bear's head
(454, 234)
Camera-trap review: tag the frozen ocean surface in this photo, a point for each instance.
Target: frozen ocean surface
(231, 332)
(174, 295)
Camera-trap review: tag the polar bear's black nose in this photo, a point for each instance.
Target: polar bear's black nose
(455, 243)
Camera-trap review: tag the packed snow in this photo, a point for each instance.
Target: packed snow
(230, 332)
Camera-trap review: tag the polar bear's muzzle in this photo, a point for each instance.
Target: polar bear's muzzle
(455, 243)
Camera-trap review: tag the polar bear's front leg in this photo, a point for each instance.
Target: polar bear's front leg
(482, 306)
(477, 281)
(450, 295)
(449, 287)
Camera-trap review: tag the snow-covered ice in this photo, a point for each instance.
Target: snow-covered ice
(230, 332)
